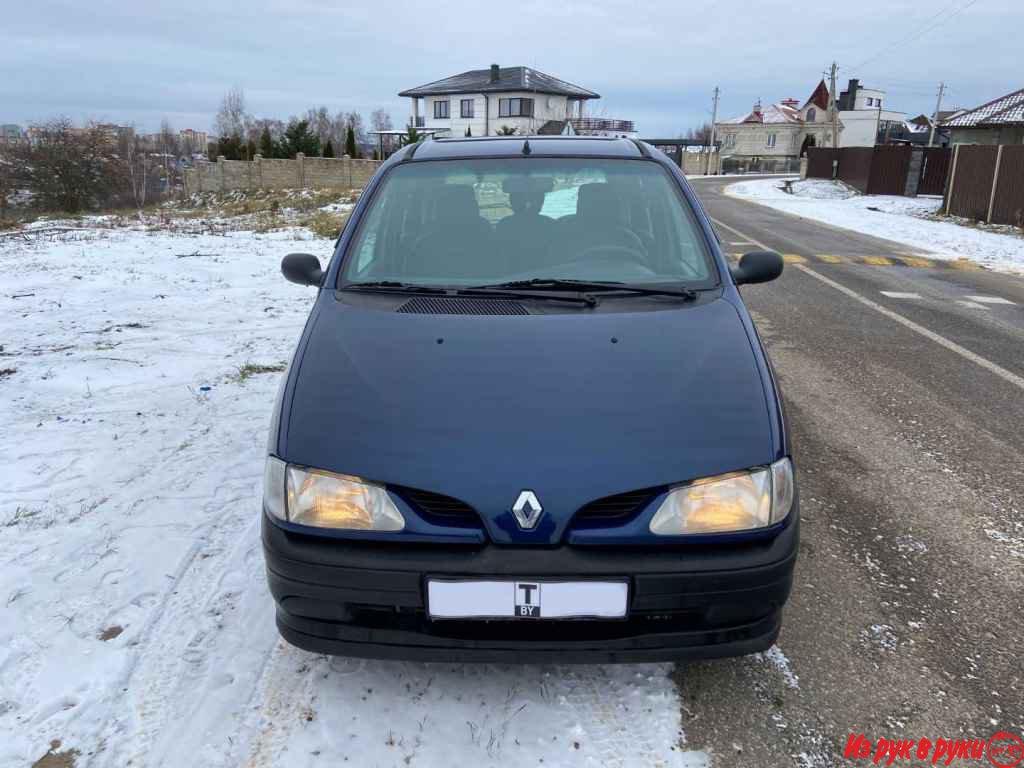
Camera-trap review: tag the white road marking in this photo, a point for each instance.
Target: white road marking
(971, 305)
(900, 295)
(990, 300)
(942, 341)
(740, 242)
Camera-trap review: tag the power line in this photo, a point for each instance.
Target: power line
(931, 24)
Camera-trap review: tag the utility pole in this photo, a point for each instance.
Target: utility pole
(832, 107)
(935, 117)
(711, 140)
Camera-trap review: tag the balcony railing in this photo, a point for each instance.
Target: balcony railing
(587, 124)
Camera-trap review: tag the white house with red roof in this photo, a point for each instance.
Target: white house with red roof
(780, 131)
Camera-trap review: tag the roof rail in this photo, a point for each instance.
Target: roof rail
(641, 147)
(415, 146)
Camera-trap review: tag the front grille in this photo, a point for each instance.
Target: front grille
(439, 509)
(458, 305)
(615, 509)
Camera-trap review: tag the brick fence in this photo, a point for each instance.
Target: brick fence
(260, 173)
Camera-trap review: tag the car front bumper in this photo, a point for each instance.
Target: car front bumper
(367, 599)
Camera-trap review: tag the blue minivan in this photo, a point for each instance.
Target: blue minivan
(529, 419)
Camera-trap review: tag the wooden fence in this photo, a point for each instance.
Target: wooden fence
(986, 183)
(893, 169)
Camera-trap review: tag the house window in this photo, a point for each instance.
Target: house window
(441, 110)
(515, 107)
(771, 139)
(811, 114)
(730, 140)
(466, 108)
(871, 101)
(878, 102)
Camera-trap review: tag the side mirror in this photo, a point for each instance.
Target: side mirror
(302, 268)
(757, 267)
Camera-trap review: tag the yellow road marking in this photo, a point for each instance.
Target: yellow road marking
(828, 259)
(964, 264)
(878, 261)
(916, 261)
(792, 258)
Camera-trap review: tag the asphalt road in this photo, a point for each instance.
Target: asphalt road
(907, 419)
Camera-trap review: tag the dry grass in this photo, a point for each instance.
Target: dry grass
(324, 224)
(249, 370)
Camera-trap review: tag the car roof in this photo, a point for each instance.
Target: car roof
(518, 146)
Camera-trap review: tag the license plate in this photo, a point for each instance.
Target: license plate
(454, 599)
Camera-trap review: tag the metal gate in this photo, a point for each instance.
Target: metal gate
(934, 170)
(889, 168)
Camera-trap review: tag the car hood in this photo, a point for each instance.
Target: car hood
(574, 406)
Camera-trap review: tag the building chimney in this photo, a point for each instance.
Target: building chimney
(495, 71)
(851, 94)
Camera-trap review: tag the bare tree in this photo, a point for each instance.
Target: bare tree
(701, 133)
(137, 165)
(380, 120)
(67, 168)
(232, 120)
(355, 120)
(321, 124)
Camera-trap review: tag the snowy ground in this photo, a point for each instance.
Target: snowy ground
(137, 373)
(901, 219)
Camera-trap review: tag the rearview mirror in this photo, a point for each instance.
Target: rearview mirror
(757, 267)
(302, 268)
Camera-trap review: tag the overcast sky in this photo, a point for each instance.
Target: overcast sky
(654, 62)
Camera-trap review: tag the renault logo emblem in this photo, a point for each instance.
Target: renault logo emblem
(527, 510)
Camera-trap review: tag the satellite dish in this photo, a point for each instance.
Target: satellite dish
(552, 101)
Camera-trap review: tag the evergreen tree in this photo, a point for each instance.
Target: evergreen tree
(468, 131)
(350, 142)
(266, 143)
(329, 149)
(298, 138)
(413, 135)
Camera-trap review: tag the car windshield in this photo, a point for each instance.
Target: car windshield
(494, 221)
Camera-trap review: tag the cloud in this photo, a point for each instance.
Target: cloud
(654, 63)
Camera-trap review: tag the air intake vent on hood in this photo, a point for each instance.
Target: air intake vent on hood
(458, 305)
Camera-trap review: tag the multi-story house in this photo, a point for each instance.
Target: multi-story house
(777, 132)
(489, 102)
(865, 119)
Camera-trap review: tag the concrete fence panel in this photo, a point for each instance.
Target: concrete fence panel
(267, 173)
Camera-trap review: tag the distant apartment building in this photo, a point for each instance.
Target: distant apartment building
(192, 141)
(11, 132)
(488, 102)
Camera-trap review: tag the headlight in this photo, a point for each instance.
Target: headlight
(327, 500)
(741, 501)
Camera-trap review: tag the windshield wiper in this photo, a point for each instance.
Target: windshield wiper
(392, 285)
(566, 284)
(395, 286)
